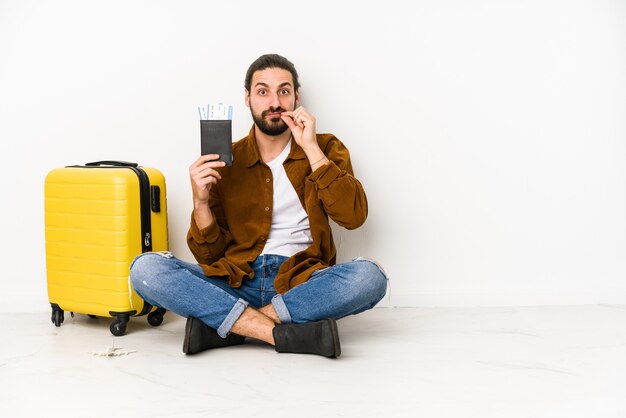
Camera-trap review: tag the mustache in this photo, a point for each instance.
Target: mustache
(272, 110)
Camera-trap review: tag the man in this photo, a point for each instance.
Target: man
(261, 235)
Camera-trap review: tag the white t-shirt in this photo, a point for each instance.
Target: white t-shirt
(290, 232)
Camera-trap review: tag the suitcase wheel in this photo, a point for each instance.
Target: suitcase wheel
(156, 318)
(118, 327)
(57, 318)
(57, 315)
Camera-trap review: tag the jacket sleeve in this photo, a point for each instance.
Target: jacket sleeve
(209, 244)
(341, 194)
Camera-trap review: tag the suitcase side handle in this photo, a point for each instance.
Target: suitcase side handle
(113, 163)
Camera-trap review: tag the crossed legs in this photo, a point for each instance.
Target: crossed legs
(257, 324)
(331, 293)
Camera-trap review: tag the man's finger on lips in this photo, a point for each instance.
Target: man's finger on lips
(288, 120)
(295, 117)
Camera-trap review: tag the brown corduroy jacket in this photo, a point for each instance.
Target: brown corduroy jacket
(241, 203)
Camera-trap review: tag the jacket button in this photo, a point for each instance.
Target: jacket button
(267, 208)
(267, 180)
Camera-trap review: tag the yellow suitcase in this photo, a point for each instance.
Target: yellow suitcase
(98, 217)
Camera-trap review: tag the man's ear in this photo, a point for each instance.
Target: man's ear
(297, 100)
(247, 98)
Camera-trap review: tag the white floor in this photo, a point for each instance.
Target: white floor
(421, 362)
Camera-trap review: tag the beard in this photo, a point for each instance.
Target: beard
(271, 127)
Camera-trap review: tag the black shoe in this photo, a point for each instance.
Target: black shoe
(319, 337)
(200, 337)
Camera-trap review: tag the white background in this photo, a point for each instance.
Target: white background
(490, 136)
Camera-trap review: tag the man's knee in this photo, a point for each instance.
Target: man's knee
(372, 279)
(144, 267)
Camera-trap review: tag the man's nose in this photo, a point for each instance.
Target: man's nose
(274, 100)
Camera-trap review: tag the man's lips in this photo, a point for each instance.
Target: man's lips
(274, 116)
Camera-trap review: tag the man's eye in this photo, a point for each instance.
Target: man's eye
(262, 92)
(284, 92)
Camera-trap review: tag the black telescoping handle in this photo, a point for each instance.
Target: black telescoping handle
(113, 163)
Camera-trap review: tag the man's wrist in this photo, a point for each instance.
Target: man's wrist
(316, 164)
(311, 149)
(200, 205)
(315, 155)
(202, 215)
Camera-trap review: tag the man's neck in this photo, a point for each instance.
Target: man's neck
(271, 146)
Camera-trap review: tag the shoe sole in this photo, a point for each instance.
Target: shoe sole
(187, 333)
(335, 332)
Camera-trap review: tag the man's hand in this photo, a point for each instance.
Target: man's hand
(302, 126)
(203, 175)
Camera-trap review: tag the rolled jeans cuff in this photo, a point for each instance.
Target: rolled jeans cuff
(281, 309)
(232, 317)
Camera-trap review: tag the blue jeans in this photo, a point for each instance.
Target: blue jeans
(334, 292)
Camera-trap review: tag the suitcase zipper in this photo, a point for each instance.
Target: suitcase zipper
(146, 222)
(144, 203)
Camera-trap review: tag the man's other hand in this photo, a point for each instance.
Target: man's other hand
(203, 175)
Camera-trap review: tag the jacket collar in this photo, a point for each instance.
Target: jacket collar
(251, 154)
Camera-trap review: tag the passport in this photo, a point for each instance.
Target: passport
(216, 137)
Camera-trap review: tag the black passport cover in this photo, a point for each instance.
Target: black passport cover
(216, 137)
